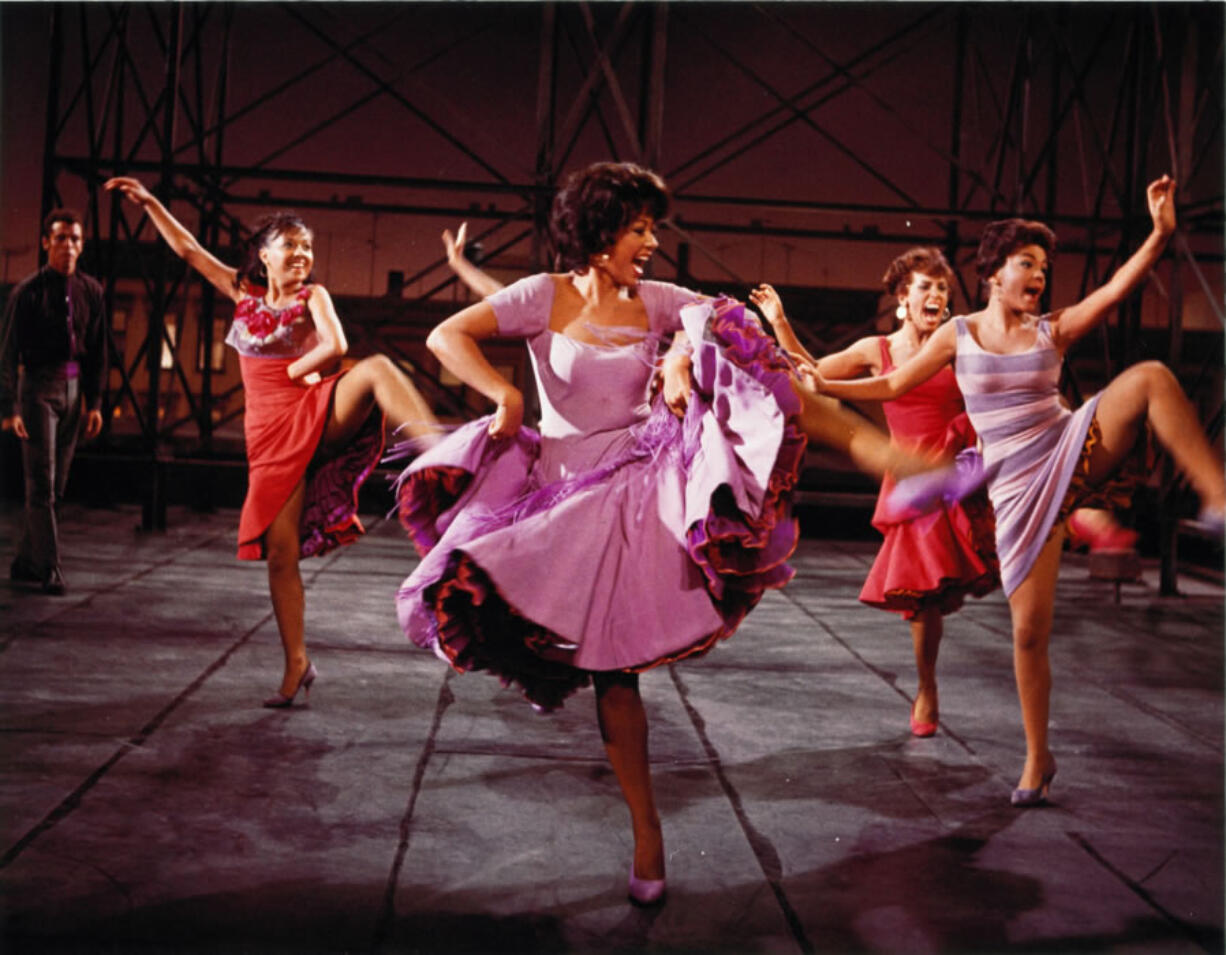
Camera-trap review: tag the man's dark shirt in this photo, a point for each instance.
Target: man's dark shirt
(35, 332)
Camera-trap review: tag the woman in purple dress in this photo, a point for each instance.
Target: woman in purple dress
(636, 528)
(1041, 459)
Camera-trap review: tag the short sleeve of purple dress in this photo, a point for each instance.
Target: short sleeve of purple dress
(618, 537)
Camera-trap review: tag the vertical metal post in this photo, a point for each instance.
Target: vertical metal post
(153, 515)
(51, 133)
(546, 90)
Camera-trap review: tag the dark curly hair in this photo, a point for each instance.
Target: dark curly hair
(267, 228)
(925, 259)
(1004, 237)
(595, 204)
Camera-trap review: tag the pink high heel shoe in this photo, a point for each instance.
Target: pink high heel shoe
(924, 729)
(645, 892)
(929, 490)
(279, 701)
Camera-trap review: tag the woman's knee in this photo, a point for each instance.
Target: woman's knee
(1155, 377)
(281, 555)
(378, 368)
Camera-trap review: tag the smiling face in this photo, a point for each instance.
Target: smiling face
(63, 246)
(1020, 282)
(288, 256)
(925, 300)
(626, 260)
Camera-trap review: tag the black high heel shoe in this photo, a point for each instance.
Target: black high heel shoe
(279, 701)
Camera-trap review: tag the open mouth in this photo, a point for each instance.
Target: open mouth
(932, 310)
(640, 264)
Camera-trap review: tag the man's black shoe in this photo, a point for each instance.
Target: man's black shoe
(21, 572)
(54, 584)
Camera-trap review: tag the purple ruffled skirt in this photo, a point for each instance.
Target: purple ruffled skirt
(652, 556)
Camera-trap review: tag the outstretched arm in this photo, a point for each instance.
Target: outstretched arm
(469, 274)
(937, 352)
(455, 343)
(181, 242)
(1075, 321)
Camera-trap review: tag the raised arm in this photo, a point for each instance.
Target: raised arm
(1073, 322)
(181, 242)
(477, 280)
(937, 352)
(455, 343)
(330, 343)
(771, 306)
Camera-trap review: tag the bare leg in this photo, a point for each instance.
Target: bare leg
(1149, 391)
(1031, 606)
(623, 727)
(378, 381)
(825, 421)
(927, 628)
(285, 587)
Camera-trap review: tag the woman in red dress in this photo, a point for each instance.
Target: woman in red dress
(928, 562)
(311, 441)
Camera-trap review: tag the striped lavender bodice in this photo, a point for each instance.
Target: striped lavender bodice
(1030, 441)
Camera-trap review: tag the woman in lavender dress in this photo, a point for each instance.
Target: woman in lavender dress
(311, 441)
(631, 531)
(1041, 459)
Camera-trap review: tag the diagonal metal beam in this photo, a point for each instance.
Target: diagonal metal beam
(393, 93)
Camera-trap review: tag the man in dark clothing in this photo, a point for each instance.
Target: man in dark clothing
(54, 327)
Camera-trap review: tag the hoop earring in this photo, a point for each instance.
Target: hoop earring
(901, 312)
(945, 314)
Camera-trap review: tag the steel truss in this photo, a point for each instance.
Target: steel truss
(1053, 111)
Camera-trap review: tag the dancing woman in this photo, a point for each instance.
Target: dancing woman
(311, 441)
(1043, 460)
(631, 531)
(928, 562)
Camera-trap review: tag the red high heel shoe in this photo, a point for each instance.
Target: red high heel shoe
(1106, 536)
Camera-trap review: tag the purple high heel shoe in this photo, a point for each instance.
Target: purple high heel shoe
(279, 701)
(645, 892)
(928, 490)
(1029, 798)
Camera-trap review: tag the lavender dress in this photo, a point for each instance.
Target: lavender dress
(620, 537)
(1031, 442)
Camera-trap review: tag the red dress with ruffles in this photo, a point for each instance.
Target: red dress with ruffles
(935, 559)
(283, 425)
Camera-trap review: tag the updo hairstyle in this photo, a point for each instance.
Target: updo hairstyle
(267, 228)
(595, 204)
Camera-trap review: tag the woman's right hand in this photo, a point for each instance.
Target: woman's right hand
(808, 376)
(509, 415)
(133, 189)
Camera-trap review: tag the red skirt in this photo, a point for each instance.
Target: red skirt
(937, 559)
(284, 424)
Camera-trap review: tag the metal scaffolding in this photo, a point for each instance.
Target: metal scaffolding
(1060, 112)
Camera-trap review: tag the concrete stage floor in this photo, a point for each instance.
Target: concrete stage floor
(148, 804)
